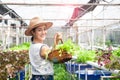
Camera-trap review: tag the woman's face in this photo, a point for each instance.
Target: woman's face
(40, 33)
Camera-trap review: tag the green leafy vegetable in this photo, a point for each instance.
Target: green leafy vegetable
(68, 46)
(24, 46)
(85, 55)
(82, 55)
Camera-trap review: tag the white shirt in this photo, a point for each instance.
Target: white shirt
(40, 66)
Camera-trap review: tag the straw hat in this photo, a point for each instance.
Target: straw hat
(35, 22)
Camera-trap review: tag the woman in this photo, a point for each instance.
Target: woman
(42, 69)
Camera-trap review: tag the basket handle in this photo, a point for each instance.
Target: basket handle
(56, 43)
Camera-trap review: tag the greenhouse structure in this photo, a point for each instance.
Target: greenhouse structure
(90, 30)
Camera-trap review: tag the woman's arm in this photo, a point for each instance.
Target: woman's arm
(44, 52)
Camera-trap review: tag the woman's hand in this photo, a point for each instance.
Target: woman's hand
(57, 38)
(45, 50)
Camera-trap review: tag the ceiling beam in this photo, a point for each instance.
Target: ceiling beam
(56, 4)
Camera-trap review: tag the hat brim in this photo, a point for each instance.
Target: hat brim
(28, 31)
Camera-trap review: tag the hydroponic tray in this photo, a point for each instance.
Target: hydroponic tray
(95, 64)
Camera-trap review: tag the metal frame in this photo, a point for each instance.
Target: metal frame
(56, 4)
(110, 77)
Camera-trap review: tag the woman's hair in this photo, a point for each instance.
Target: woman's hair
(32, 38)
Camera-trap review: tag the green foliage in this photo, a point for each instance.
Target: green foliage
(68, 46)
(27, 71)
(108, 43)
(85, 55)
(24, 46)
(74, 49)
(0, 42)
(116, 52)
(61, 73)
(114, 60)
(12, 79)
